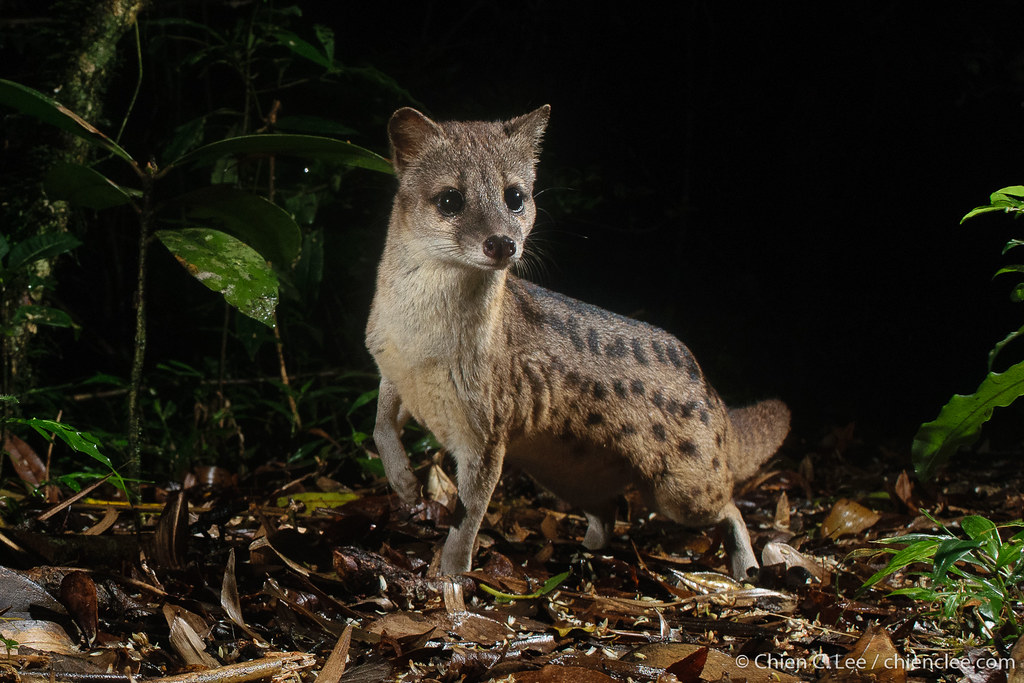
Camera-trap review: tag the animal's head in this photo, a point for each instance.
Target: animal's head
(465, 190)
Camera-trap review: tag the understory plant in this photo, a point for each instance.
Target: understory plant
(975, 577)
(960, 421)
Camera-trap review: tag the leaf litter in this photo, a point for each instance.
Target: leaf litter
(280, 576)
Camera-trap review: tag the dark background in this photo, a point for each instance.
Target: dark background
(779, 184)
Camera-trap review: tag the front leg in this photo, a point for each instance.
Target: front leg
(477, 477)
(386, 435)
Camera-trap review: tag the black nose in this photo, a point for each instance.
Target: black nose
(499, 247)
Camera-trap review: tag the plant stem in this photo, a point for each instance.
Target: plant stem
(134, 408)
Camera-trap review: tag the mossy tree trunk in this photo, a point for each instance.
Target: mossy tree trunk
(76, 68)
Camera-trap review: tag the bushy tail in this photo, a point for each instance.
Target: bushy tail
(757, 432)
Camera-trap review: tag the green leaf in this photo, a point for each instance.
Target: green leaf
(41, 315)
(1013, 191)
(40, 247)
(917, 593)
(361, 400)
(1000, 344)
(261, 224)
(82, 186)
(916, 552)
(1016, 268)
(981, 529)
(960, 420)
(303, 48)
(39, 106)
(1011, 244)
(949, 552)
(280, 144)
(185, 138)
(979, 210)
(325, 35)
(226, 265)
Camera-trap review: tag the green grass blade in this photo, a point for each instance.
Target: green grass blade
(959, 422)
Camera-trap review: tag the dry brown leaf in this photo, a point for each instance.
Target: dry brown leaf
(439, 487)
(782, 553)
(782, 512)
(185, 639)
(78, 593)
(29, 467)
(553, 673)
(847, 518)
(872, 656)
(334, 667)
(549, 527)
(44, 636)
(110, 516)
(718, 664)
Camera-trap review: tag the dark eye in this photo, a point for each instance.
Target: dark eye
(450, 201)
(514, 199)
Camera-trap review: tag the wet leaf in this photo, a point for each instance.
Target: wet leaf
(259, 223)
(848, 517)
(226, 265)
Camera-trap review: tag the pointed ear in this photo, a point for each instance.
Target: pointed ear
(530, 127)
(408, 132)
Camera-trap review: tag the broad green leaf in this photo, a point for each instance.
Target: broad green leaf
(226, 265)
(325, 35)
(40, 247)
(37, 105)
(959, 422)
(1011, 191)
(979, 210)
(303, 49)
(261, 224)
(1017, 294)
(82, 186)
(949, 552)
(981, 529)
(1011, 244)
(41, 315)
(288, 145)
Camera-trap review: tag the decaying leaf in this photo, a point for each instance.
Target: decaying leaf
(78, 593)
(848, 517)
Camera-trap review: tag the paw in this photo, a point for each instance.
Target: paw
(741, 563)
(405, 484)
(457, 556)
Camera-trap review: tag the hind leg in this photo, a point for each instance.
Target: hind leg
(737, 542)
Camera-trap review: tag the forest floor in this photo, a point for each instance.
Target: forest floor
(286, 574)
